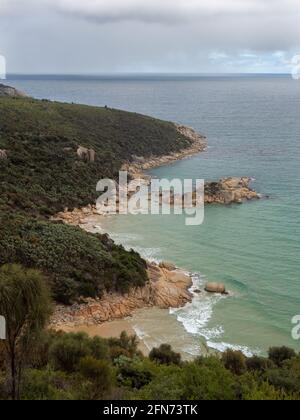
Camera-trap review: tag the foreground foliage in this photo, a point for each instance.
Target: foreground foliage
(74, 366)
(38, 364)
(25, 303)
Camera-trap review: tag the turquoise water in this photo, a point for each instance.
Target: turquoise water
(253, 129)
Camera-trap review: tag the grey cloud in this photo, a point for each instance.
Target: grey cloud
(69, 36)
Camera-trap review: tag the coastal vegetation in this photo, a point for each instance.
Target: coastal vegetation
(43, 262)
(41, 174)
(77, 264)
(40, 364)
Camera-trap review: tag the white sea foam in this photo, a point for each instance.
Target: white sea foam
(124, 238)
(196, 315)
(221, 347)
(127, 240)
(149, 254)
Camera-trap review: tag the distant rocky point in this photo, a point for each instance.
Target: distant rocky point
(230, 190)
(10, 92)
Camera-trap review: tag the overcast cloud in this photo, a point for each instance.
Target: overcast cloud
(100, 36)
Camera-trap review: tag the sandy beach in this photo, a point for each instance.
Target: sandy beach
(107, 330)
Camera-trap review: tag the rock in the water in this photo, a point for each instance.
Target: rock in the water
(215, 288)
(167, 266)
(10, 92)
(230, 190)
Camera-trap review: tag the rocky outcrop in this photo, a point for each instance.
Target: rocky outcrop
(215, 288)
(164, 290)
(225, 191)
(88, 155)
(3, 154)
(8, 91)
(230, 190)
(167, 265)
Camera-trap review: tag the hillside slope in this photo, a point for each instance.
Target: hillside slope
(41, 173)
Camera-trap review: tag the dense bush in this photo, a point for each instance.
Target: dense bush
(76, 366)
(75, 262)
(124, 346)
(279, 355)
(258, 364)
(67, 350)
(234, 361)
(165, 355)
(100, 376)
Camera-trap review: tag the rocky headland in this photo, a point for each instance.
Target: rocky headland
(225, 191)
(139, 164)
(11, 92)
(165, 289)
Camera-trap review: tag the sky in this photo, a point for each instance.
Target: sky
(172, 36)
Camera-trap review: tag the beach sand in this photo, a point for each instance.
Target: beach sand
(112, 329)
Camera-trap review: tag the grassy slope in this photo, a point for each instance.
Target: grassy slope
(43, 175)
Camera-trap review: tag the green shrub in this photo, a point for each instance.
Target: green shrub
(279, 355)
(208, 380)
(76, 263)
(125, 345)
(134, 373)
(46, 385)
(254, 389)
(234, 361)
(167, 384)
(100, 375)
(67, 351)
(287, 377)
(165, 355)
(258, 364)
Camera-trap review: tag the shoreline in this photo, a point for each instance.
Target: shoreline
(173, 290)
(139, 165)
(167, 287)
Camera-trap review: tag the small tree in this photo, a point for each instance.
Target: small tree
(165, 355)
(126, 345)
(100, 375)
(259, 364)
(67, 350)
(26, 305)
(234, 361)
(279, 355)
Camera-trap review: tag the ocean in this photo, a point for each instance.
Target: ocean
(252, 125)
